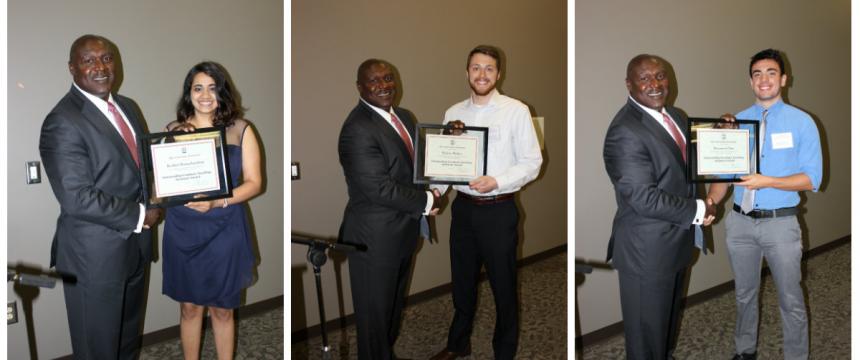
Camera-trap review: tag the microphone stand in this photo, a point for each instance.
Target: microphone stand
(317, 257)
(26, 285)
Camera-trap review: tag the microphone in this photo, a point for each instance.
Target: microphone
(319, 244)
(34, 280)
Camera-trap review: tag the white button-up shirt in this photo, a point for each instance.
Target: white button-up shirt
(513, 153)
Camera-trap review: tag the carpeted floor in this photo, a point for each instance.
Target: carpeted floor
(257, 337)
(707, 328)
(543, 321)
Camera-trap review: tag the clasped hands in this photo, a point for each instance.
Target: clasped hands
(152, 217)
(710, 212)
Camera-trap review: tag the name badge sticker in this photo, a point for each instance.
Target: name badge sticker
(782, 141)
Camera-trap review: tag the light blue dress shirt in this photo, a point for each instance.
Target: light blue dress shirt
(791, 146)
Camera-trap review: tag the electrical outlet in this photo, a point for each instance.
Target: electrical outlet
(11, 313)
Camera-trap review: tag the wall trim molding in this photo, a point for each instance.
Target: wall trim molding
(604, 333)
(419, 297)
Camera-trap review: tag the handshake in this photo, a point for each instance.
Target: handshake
(710, 212)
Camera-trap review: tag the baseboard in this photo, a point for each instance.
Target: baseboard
(615, 329)
(419, 297)
(172, 332)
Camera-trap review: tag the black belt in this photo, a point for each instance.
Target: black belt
(759, 214)
(485, 200)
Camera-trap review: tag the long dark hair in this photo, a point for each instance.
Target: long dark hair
(228, 109)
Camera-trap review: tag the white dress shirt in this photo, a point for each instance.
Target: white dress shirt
(513, 153)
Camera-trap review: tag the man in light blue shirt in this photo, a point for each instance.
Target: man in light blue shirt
(764, 217)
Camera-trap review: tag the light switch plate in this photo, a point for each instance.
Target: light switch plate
(294, 171)
(34, 172)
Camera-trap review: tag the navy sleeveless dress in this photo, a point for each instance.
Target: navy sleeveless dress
(208, 259)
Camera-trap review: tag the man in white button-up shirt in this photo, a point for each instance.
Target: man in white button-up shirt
(484, 215)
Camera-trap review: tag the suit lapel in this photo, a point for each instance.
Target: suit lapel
(410, 128)
(682, 127)
(92, 114)
(136, 124)
(659, 132)
(387, 131)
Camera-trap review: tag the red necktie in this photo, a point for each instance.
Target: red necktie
(125, 132)
(677, 135)
(403, 135)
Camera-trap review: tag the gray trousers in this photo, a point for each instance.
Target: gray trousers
(779, 241)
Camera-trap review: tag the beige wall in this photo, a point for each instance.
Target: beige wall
(427, 41)
(158, 41)
(709, 45)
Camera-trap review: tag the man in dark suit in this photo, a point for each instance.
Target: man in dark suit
(652, 233)
(385, 207)
(102, 241)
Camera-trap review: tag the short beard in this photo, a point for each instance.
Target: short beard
(485, 93)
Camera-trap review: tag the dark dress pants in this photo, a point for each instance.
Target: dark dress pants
(484, 235)
(650, 307)
(378, 295)
(106, 317)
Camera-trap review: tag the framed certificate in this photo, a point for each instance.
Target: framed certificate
(185, 166)
(442, 158)
(721, 151)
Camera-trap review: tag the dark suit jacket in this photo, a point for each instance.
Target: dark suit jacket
(384, 205)
(652, 230)
(98, 186)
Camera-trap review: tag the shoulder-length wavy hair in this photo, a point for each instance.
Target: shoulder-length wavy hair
(228, 109)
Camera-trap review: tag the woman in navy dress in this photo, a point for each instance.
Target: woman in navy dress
(208, 259)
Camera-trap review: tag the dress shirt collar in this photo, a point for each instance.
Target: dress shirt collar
(385, 114)
(494, 99)
(97, 101)
(103, 108)
(657, 115)
(771, 111)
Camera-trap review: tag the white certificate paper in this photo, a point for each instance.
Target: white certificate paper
(186, 167)
(451, 156)
(723, 151)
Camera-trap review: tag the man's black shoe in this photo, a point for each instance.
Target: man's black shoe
(744, 356)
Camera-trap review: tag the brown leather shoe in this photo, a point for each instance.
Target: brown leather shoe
(450, 355)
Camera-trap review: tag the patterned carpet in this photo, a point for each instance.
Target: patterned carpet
(543, 321)
(707, 328)
(257, 337)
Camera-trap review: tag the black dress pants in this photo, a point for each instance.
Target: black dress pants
(650, 308)
(106, 317)
(484, 235)
(378, 296)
